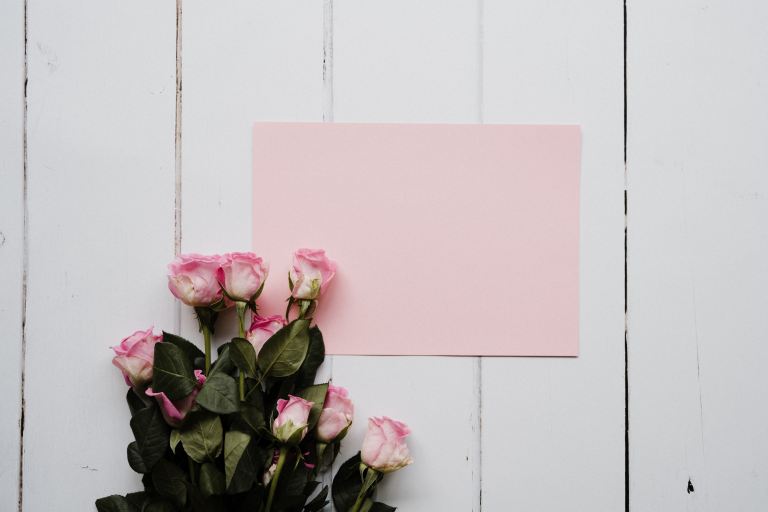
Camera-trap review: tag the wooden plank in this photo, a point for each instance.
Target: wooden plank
(101, 195)
(402, 61)
(243, 62)
(11, 243)
(698, 247)
(553, 429)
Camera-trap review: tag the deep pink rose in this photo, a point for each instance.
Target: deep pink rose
(135, 356)
(337, 414)
(242, 274)
(175, 411)
(384, 447)
(193, 279)
(311, 273)
(262, 329)
(292, 418)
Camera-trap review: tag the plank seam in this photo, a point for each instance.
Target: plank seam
(328, 60)
(177, 153)
(327, 99)
(480, 119)
(25, 262)
(626, 284)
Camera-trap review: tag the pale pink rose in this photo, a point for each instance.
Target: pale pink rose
(384, 447)
(135, 356)
(262, 329)
(193, 279)
(292, 419)
(311, 273)
(175, 411)
(242, 275)
(337, 414)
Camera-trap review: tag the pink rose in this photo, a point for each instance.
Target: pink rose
(384, 447)
(336, 416)
(292, 419)
(176, 411)
(135, 356)
(262, 329)
(242, 275)
(311, 272)
(193, 279)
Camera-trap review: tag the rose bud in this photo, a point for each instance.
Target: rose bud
(290, 426)
(311, 272)
(242, 275)
(262, 329)
(336, 416)
(175, 411)
(384, 448)
(135, 356)
(193, 279)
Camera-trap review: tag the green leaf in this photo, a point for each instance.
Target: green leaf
(293, 489)
(211, 480)
(159, 505)
(114, 503)
(244, 356)
(240, 461)
(175, 439)
(152, 435)
(283, 353)
(377, 506)
(316, 395)
(315, 357)
(190, 349)
(223, 363)
(137, 499)
(202, 437)
(318, 502)
(347, 484)
(253, 416)
(235, 444)
(170, 481)
(219, 394)
(135, 460)
(173, 373)
(135, 401)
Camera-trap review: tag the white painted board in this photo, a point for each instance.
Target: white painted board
(401, 61)
(100, 197)
(11, 244)
(698, 255)
(553, 429)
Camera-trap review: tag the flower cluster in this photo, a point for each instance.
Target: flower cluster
(250, 430)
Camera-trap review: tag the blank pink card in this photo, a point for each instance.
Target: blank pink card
(450, 239)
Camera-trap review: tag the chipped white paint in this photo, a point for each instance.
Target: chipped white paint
(121, 156)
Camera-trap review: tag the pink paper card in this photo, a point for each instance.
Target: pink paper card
(450, 239)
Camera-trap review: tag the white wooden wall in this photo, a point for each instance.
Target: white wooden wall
(131, 141)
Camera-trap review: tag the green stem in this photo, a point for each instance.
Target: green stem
(207, 339)
(276, 477)
(371, 478)
(241, 323)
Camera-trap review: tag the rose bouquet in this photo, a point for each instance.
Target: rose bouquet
(251, 430)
